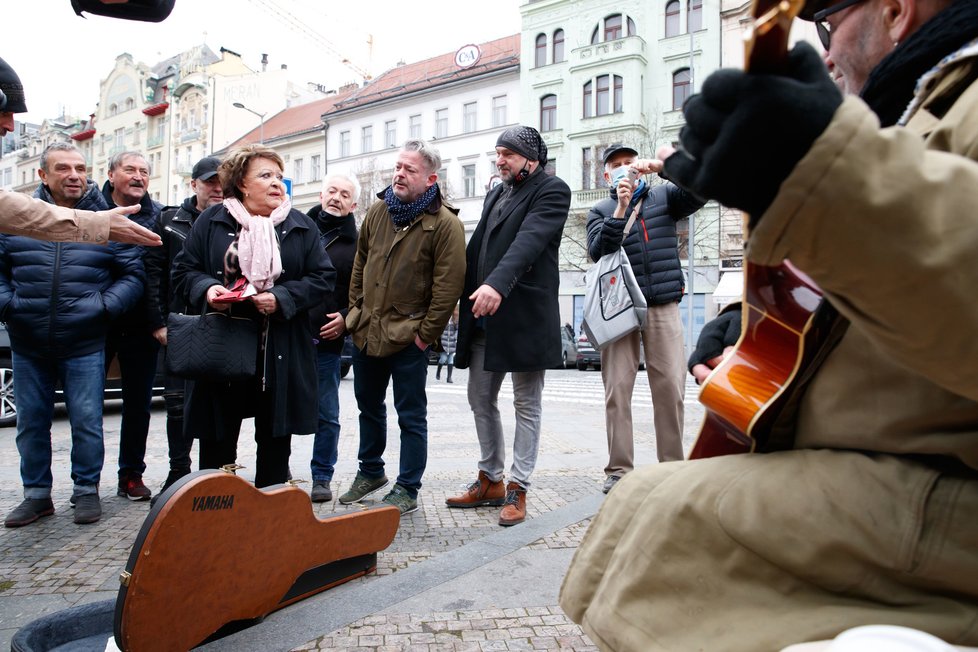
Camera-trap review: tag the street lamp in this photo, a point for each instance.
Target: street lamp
(261, 116)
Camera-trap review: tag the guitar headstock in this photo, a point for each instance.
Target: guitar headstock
(766, 39)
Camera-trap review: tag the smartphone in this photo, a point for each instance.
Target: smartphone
(633, 175)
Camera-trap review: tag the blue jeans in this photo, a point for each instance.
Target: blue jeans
(83, 379)
(371, 375)
(137, 354)
(328, 432)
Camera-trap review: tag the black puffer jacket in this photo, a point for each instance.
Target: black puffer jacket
(339, 238)
(59, 298)
(652, 244)
(173, 227)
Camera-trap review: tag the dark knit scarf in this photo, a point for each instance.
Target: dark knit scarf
(402, 214)
(92, 200)
(890, 86)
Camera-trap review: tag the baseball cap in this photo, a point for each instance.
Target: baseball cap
(616, 148)
(205, 168)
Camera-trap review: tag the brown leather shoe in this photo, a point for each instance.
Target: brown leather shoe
(515, 510)
(481, 492)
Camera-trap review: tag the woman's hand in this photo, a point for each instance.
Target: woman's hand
(215, 291)
(265, 303)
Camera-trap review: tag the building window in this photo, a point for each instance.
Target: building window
(680, 88)
(619, 93)
(120, 139)
(469, 117)
(672, 18)
(315, 170)
(548, 113)
(603, 94)
(694, 10)
(113, 109)
(441, 123)
(344, 143)
(135, 133)
(468, 180)
(414, 126)
(367, 139)
(390, 134)
(608, 95)
(499, 111)
(297, 176)
(588, 106)
(612, 29)
(558, 46)
(130, 104)
(540, 57)
(587, 168)
(160, 129)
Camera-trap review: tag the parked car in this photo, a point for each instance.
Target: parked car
(568, 349)
(588, 356)
(8, 402)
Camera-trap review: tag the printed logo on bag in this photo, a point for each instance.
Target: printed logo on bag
(615, 297)
(212, 503)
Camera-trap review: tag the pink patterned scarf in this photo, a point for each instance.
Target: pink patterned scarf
(259, 252)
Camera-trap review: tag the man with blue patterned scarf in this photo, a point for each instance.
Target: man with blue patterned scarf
(407, 276)
(58, 300)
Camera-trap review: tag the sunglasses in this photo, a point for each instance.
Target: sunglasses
(822, 27)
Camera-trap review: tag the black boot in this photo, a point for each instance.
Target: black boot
(438, 373)
(450, 367)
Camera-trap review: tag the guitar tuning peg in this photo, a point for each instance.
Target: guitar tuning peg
(296, 483)
(231, 468)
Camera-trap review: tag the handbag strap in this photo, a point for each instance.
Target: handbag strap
(631, 220)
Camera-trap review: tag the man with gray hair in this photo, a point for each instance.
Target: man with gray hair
(131, 337)
(57, 300)
(338, 234)
(407, 276)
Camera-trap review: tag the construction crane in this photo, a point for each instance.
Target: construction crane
(289, 20)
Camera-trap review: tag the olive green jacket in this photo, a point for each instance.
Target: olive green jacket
(406, 281)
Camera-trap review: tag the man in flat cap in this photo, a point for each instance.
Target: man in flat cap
(652, 249)
(34, 218)
(509, 320)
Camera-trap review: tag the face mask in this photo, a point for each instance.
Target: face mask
(619, 174)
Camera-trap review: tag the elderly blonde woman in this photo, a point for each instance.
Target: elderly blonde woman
(257, 244)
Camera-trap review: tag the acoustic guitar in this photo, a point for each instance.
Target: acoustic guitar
(784, 322)
(216, 554)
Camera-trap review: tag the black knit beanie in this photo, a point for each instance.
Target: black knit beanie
(13, 90)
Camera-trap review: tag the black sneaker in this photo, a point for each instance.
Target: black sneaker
(610, 482)
(88, 509)
(131, 486)
(172, 476)
(362, 487)
(29, 511)
(321, 493)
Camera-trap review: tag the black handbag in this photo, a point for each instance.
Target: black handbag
(212, 346)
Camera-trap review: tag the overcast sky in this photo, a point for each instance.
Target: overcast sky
(61, 58)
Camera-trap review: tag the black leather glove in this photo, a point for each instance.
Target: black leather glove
(745, 132)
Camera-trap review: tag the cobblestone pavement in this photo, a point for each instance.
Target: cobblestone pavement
(54, 564)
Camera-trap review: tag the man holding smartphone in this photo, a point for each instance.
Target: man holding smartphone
(652, 249)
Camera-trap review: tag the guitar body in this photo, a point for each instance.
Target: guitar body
(215, 550)
(782, 331)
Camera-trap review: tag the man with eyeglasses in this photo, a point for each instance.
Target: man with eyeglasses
(865, 514)
(23, 215)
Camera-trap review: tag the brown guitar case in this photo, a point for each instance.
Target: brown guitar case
(215, 554)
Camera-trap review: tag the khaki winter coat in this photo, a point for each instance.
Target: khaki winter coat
(405, 281)
(874, 517)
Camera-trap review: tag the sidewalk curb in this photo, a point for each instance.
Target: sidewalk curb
(340, 606)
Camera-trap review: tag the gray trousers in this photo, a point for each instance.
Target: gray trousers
(483, 392)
